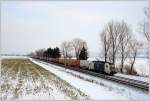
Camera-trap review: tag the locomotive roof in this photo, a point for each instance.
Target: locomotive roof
(103, 62)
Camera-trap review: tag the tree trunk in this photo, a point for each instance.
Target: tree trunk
(133, 62)
(122, 59)
(113, 53)
(77, 55)
(149, 61)
(121, 64)
(105, 54)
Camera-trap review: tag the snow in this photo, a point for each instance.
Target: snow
(99, 89)
(21, 84)
(43, 94)
(141, 65)
(14, 57)
(144, 79)
(91, 59)
(95, 91)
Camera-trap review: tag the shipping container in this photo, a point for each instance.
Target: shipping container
(75, 63)
(61, 61)
(72, 62)
(86, 64)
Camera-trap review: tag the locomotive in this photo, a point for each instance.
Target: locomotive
(98, 66)
(95, 66)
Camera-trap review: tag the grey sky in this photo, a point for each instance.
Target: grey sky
(30, 25)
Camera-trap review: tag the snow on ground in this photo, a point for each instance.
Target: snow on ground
(144, 79)
(98, 88)
(141, 65)
(13, 57)
(22, 80)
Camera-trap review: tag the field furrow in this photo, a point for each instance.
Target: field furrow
(63, 86)
(8, 80)
(21, 79)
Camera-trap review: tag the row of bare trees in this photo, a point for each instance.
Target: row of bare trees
(37, 53)
(74, 46)
(77, 47)
(118, 41)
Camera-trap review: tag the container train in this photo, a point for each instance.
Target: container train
(95, 66)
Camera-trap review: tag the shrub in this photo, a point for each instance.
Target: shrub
(126, 70)
(129, 71)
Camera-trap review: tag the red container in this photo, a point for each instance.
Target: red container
(61, 61)
(72, 63)
(50, 59)
(66, 62)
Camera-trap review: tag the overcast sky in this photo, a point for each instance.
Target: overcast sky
(30, 25)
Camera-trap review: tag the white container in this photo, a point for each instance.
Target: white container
(86, 64)
(91, 65)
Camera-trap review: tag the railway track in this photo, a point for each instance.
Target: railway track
(127, 81)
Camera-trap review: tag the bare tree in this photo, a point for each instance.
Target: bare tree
(78, 45)
(115, 38)
(40, 53)
(104, 35)
(32, 54)
(113, 29)
(125, 36)
(144, 25)
(145, 29)
(146, 11)
(134, 46)
(66, 47)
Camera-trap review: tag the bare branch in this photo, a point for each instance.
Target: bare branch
(78, 44)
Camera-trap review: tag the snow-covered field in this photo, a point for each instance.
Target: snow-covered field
(23, 80)
(95, 87)
(14, 57)
(141, 65)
